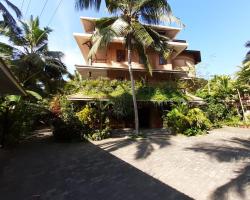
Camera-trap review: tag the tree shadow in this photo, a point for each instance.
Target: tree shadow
(236, 150)
(144, 147)
(46, 170)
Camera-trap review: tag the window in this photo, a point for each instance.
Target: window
(162, 60)
(120, 56)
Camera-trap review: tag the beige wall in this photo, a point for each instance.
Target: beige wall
(185, 63)
(107, 58)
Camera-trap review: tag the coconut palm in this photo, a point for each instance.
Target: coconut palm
(247, 57)
(243, 75)
(9, 20)
(127, 24)
(27, 53)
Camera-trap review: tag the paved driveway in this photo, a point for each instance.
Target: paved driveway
(162, 167)
(215, 166)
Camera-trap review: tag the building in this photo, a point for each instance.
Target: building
(8, 83)
(112, 63)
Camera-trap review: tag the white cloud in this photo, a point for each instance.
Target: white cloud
(71, 57)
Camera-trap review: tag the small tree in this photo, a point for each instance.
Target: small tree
(36, 67)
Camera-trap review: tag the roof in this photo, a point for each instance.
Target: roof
(89, 24)
(8, 82)
(195, 54)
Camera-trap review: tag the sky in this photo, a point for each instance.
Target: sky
(218, 28)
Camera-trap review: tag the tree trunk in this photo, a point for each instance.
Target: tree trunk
(242, 107)
(133, 88)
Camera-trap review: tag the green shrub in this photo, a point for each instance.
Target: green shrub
(97, 135)
(194, 131)
(216, 111)
(20, 116)
(66, 126)
(197, 119)
(187, 121)
(95, 121)
(87, 116)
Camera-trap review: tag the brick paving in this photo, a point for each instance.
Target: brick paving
(44, 170)
(160, 167)
(214, 166)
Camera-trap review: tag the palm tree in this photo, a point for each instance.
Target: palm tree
(247, 57)
(7, 17)
(137, 36)
(27, 53)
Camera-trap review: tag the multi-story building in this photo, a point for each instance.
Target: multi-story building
(112, 62)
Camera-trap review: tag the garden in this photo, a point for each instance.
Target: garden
(49, 86)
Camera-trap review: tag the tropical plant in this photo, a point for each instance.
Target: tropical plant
(243, 75)
(27, 53)
(19, 116)
(8, 19)
(95, 120)
(247, 57)
(187, 121)
(66, 126)
(127, 23)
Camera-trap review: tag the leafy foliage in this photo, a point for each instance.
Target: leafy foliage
(8, 19)
(66, 126)
(118, 93)
(187, 121)
(19, 116)
(27, 53)
(95, 120)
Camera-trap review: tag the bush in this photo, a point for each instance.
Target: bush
(66, 126)
(216, 111)
(187, 121)
(20, 116)
(95, 121)
(97, 135)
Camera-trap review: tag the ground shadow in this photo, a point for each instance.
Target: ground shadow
(144, 146)
(236, 150)
(46, 170)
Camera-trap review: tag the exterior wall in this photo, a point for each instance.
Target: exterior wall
(183, 62)
(108, 59)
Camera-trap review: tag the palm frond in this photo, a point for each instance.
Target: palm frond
(104, 22)
(141, 35)
(7, 16)
(160, 44)
(116, 6)
(247, 44)
(14, 8)
(144, 57)
(85, 4)
(120, 27)
(8, 51)
(103, 36)
(152, 10)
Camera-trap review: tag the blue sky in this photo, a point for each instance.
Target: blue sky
(218, 28)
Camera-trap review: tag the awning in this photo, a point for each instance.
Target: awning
(8, 83)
